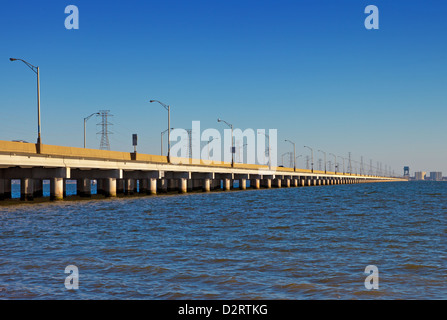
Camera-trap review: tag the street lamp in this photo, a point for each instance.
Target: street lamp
(168, 108)
(294, 154)
(85, 120)
(36, 71)
(343, 165)
(335, 161)
(208, 144)
(312, 153)
(324, 160)
(268, 139)
(232, 148)
(282, 158)
(296, 158)
(162, 134)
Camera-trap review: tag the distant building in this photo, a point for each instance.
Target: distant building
(420, 175)
(436, 176)
(406, 172)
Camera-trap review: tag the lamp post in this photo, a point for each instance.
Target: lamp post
(85, 121)
(312, 153)
(162, 134)
(232, 148)
(36, 71)
(344, 171)
(168, 108)
(335, 161)
(282, 158)
(268, 139)
(208, 145)
(296, 158)
(324, 159)
(294, 154)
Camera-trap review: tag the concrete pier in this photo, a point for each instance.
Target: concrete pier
(152, 186)
(227, 184)
(110, 187)
(206, 185)
(57, 188)
(26, 189)
(267, 183)
(84, 188)
(277, 183)
(183, 185)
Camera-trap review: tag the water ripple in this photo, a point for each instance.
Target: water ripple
(296, 243)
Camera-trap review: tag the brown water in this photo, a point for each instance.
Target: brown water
(297, 243)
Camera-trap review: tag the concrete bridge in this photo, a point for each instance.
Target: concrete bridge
(118, 172)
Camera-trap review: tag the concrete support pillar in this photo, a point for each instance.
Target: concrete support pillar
(242, 184)
(144, 186)
(193, 184)
(120, 189)
(26, 189)
(182, 185)
(295, 182)
(83, 187)
(162, 185)
(152, 189)
(3, 183)
(227, 184)
(38, 188)
(302, 182)
(172, 185)
(206, 185)
(267, 183)
(57, 189)
(100, 186)
(287, 183)
(8, 191)
(129, 185)
(255, 183)
(110, 187)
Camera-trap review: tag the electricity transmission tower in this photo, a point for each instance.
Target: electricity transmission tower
(104, 114)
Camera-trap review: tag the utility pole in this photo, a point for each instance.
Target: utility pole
(349, 164)
(36, 71)
(85, 121)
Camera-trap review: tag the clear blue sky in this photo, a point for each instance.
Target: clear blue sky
(307, 68)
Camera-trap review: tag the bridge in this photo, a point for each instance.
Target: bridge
(119, 173)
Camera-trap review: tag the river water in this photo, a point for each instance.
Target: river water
(295, 243)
